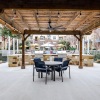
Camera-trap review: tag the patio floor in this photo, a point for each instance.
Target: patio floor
(17, 84)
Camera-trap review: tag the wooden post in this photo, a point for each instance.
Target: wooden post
(23, 49)
(80, 53)
(23, 52)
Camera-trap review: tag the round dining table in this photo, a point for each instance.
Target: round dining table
(53, 64)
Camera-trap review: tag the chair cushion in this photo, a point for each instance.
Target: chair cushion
(58, 59)
(43, 70)
(40, 64)
(41, 67)
(59, 69)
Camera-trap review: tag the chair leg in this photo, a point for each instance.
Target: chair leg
(69, 72)
(46, 78)
(41, 75)
(33, 72)
(59, 73)
(38, 74)
(52, 75)
(62, 75)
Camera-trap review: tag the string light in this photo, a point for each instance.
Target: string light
(58, 14)
(80, 13)
(5, 24)
(37, 14)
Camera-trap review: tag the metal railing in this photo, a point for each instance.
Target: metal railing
(93, 52)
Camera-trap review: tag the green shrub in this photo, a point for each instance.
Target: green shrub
(97, 56)
(0, 56)
(72, 48)
(94, 49)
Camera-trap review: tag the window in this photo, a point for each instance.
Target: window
(42, 37)
(54, 37)
(49, 36)
(60, 38)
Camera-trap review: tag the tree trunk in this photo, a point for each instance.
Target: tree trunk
(4, 42)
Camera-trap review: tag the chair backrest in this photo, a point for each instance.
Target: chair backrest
(65, 63)
(36, 60)
(58, 59)
(41, 64)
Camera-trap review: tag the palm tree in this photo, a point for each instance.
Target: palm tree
(66, 44)
(5, 32)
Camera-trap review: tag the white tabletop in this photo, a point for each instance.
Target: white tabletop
(53, 63)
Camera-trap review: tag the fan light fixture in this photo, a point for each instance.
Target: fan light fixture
(14, 14)
(58, 14)
(49, 30)
(37, 14)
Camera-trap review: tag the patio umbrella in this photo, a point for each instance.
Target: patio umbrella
(60, 45)
(34, 45)
(47, 45)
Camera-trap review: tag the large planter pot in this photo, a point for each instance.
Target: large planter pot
(4, 58)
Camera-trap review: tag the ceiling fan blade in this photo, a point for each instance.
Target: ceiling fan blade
(58, 26)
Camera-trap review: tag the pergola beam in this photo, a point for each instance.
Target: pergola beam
(13, 23)
(14, 30)
(73, 18)
(37, 20)
(22, 19)
(51, 4)
(77, 37)
(93, 26)
(91, 14)
(27, 37)
(53, 32)
(5, 20)
(1, 11)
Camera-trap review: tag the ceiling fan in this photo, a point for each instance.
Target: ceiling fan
(50, 28)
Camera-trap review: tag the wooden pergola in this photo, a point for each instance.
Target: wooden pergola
(59, 17)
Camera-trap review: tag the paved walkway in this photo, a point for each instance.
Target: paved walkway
(17, 84)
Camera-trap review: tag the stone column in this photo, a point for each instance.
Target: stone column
(17, 46)
(9, 45)
(13, 45)
(87, 44)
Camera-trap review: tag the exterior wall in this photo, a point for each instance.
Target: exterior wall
(54, 39)
(94, 40)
